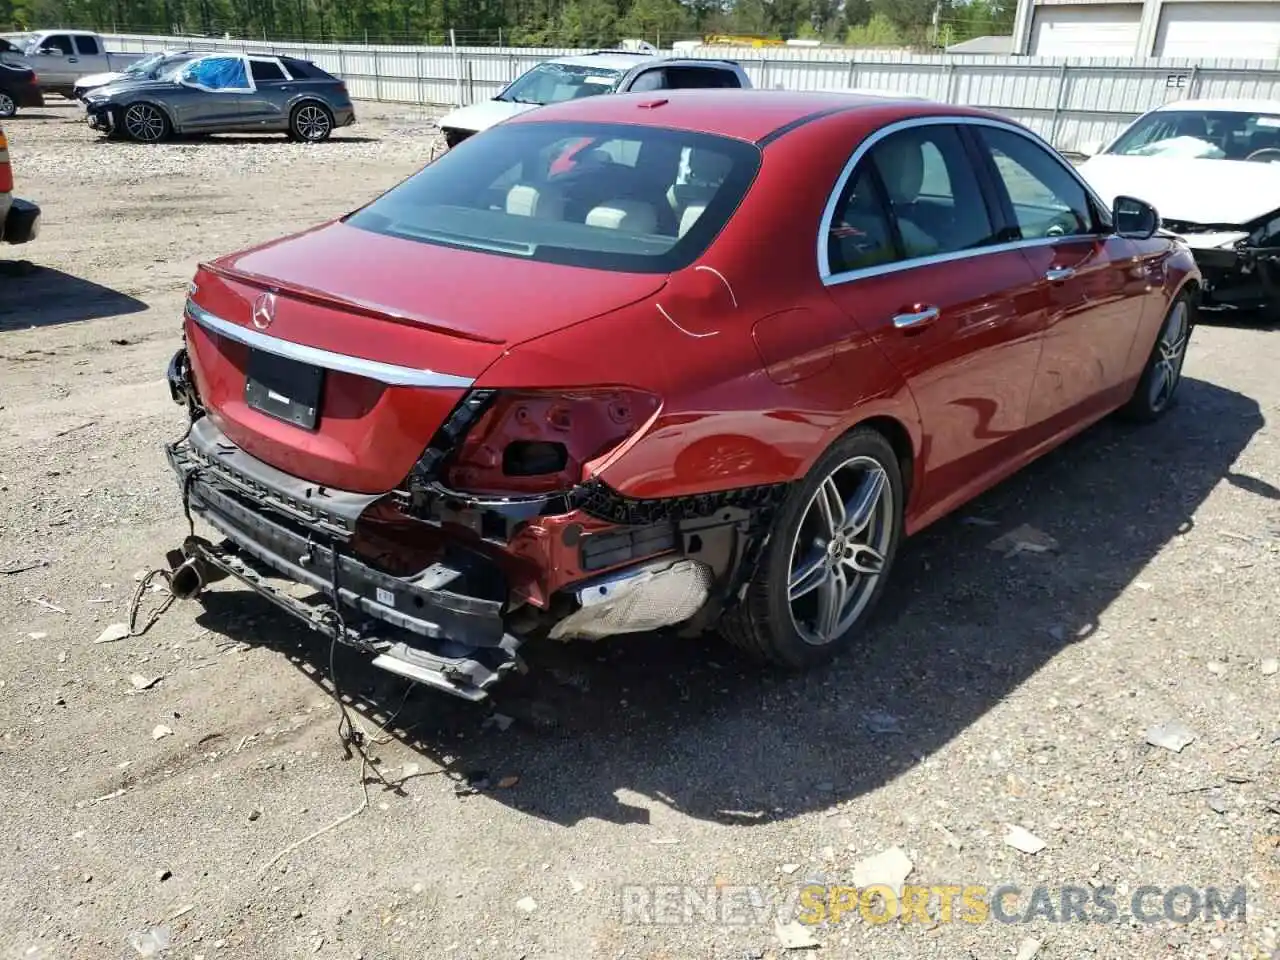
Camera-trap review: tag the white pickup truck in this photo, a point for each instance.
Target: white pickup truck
(61, 57)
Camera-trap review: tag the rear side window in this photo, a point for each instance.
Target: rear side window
(265, 71)
(918, 188)
(306, 70)
(604, 196)
(1047, 200)
(88, 46)
(685, 78)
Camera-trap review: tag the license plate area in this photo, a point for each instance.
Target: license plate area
(284, 389)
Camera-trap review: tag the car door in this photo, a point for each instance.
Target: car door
(1092, 284)
(914, 257)
(267, 104)
(213, 93)
(92, 58)
(56, 61)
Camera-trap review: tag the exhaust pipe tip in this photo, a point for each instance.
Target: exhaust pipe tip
(187, 580)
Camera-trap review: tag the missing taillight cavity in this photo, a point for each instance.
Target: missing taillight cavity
(538, 442)
(532, 458)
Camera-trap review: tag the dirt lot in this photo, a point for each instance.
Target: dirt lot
(994, 690)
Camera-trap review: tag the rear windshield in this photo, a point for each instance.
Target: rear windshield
(606, 196)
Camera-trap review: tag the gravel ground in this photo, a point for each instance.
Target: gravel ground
(993, 690)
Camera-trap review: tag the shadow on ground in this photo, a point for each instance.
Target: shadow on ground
(35, 296)
(961, 627)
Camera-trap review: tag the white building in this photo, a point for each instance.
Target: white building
(1237, 29)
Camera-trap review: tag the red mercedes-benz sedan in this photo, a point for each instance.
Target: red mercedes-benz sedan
(698, 360)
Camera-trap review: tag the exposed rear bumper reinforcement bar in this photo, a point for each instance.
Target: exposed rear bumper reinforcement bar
(416, 628)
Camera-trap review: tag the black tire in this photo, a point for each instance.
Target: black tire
(143, 122)
(8, 106)
(310, 122)
(764, 624)
(1157, 390)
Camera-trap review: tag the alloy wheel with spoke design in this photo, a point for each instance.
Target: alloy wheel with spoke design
(1171, 350)
(839, 549)
(828, 556)
(7, 105)
(1158, 386)
(311, 122)
(144, 123)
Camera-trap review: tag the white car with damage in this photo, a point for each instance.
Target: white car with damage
(586, 75)
(1212, 170)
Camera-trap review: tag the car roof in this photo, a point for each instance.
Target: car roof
(1222, 106)
(609, 59)
(743, 114)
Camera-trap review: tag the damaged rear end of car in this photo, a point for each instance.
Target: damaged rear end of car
(381, 464)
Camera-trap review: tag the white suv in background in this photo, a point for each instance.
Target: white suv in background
(605, 71)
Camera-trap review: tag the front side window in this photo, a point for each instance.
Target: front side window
(58, 44)
(913, 195)
(1203, 135)
(217, 73)
(604, 196)
(556, 82)
(1047, 200)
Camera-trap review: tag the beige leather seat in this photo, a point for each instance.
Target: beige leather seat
(900, 161)
(541, 203)
(629, 216)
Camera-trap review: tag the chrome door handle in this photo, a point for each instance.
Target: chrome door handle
(1059, 273)
(904, 320)
(72, 60)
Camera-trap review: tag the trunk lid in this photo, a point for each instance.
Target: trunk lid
(398, 330)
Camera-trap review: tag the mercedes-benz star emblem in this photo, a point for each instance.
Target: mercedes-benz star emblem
(264, 311)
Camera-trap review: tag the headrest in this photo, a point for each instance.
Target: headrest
(543, 203)
(900, 161)
(631, 216)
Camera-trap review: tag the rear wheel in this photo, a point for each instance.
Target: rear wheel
(310, 123)
(144, 123)
(1158, 387)
(8, 106)
(828, 559)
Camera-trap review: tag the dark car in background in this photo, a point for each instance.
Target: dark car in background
(225, 93)
(18, 88)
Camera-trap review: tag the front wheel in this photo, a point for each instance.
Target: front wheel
(829, 557)
(1158, 386)
(8, 106)
(310, 123)
(144, 123)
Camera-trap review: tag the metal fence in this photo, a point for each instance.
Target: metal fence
(1071, 102)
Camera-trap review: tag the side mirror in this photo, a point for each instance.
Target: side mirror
(50, 52)
(1135, 219)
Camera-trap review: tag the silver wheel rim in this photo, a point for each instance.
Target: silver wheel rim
(7, 106)
(1171, 350)
(144, 123)
(312, 123)
(838, 554)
